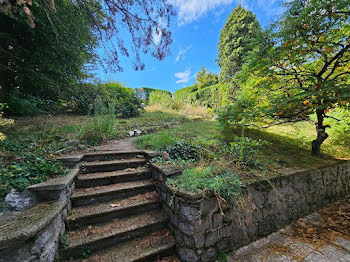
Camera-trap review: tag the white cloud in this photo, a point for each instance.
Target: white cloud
(181, 54)
(184, 77)
(157, 36)
(191, 10)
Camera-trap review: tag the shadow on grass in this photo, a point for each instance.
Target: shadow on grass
(284, 150)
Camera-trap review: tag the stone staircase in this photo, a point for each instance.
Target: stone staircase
(116, 212)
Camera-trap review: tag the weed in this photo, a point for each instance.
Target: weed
(63, 241)
(86, 253)
(208, 179)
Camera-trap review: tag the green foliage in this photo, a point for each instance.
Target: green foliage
(163, 99)
(102, 126)
(208, 179)
(82, 98)
(215, 96)
(240, 32)
(183, 151)
(301, 67)
(210, 94)
(340, 122)
(28, 105)
(157, 141)
(47, 61)
(183, 95)
(205, 78)
(245, 149)
(241, 111)
(33, 164)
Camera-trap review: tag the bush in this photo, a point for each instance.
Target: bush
(125, 100)
(28, 105)
(244, 149)
(163, 99)
(183, 151)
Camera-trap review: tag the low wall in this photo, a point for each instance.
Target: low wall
(34, 233)
(202, 231)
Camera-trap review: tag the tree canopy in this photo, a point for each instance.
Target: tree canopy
(147, 22)
(237, 38)
(302, 66)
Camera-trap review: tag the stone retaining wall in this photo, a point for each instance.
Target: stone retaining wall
(202, 231)
(34, 233)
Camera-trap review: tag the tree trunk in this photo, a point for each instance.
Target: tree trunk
(321, 133)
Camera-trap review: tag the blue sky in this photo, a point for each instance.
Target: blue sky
(196, 30)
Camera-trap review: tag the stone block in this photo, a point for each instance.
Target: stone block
(212, 238)
(18, 201)
(209, 255)
(189, 213)
(186, 227)
(188, 255)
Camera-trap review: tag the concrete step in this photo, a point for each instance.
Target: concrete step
(113, 165)
(87, 196)
(98, 237)
(114, 177)
(111, 155)
(100, 213)
(153, 247)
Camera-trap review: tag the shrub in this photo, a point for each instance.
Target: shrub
(125, 100)
(28, 105)
(183, 151)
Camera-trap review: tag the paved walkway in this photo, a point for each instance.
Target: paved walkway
(323, 236)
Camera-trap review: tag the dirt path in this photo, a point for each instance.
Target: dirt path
(115, 145)
(323, 236)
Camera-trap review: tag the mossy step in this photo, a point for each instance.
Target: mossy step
(113, 165)
(111, 155)
(107, 178)
(87, 196)
(149, 248)
(97, 237)
(104, 212)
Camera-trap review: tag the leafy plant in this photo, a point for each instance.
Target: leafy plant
(184, 151)
(30, 166)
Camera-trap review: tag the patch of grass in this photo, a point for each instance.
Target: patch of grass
(260, 154)
(208, 179)
(156, 141)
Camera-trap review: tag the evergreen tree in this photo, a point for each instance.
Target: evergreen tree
(237, 39)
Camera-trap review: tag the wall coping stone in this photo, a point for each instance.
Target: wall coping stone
(19, 227)
(168, 171)
(56, 184)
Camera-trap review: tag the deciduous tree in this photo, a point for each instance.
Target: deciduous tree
(303, 66)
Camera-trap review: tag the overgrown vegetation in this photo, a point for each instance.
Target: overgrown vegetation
(27, 155)
(208, 180)
(251, 154)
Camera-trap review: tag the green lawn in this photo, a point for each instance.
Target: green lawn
(283, 147)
